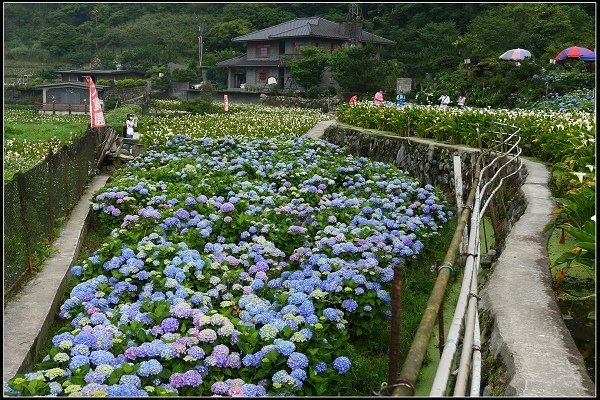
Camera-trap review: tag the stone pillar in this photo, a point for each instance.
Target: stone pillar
(229, 78)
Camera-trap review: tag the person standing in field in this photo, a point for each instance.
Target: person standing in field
(400, 98)
(130, 125)
(378, 99)
(444, 100)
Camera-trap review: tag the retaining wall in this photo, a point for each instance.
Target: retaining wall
(431, 162)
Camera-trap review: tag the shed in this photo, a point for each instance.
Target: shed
(67, 97)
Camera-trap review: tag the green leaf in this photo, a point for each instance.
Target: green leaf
(577, 233)
(592, 315)
(128, 368)
(165, 373)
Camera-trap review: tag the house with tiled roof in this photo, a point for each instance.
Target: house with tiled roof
(266, 48)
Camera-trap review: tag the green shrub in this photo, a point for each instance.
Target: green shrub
(125, 83)
(200, 106)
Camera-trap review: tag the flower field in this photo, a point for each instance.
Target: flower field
(249, 121)
(235, 268)
(29, 136)
(565, 140)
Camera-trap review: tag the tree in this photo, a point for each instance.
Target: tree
(219, 36)
(359, 69)
(307, 70)
(539, 28)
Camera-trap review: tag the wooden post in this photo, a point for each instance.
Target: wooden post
(66, 177)
(395, 328)
(27, 234)
(49, 159)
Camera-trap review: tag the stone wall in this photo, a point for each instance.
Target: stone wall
(431, 162)
(129, 95)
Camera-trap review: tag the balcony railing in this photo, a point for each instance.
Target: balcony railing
(62, 108)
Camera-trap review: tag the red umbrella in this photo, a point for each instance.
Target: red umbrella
(574, 52)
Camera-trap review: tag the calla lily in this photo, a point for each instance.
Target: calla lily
(579, 175)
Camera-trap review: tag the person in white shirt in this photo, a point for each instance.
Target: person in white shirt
(461, 101)
(130, 125)
(444, 100)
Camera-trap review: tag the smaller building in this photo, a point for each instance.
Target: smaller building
(67, 97)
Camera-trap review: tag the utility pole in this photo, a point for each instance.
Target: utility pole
(200, 45)
(354, 18)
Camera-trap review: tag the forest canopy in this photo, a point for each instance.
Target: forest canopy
(430, 37)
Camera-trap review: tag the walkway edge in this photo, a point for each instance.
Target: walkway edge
(529, 333)
(28, 317)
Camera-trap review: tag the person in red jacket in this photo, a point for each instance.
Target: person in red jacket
(353, 100)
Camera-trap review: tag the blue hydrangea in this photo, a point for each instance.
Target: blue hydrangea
(150, 367)
(297, 360)
(342, 364)
(284, 347)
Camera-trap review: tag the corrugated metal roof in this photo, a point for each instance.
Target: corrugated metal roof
(97, 71)
(308, 27)
(65, 84)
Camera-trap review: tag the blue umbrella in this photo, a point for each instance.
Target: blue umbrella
(588, 57)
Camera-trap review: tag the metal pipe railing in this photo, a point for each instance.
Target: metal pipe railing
(468, 292)
(476, 378)
(405, 383)
(442, 374)
(466, 308)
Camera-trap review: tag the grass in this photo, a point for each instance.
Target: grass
(42, 132)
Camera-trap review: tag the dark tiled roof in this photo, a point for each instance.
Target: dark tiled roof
(309, 27)
(242, 61)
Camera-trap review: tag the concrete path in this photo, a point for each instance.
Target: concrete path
(317, 131)
(529, 334)
(28, 316)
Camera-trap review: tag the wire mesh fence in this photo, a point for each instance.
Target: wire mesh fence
(35, 201)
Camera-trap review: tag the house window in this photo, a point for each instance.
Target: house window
(262, 50)
(297, 46)
(261, 75)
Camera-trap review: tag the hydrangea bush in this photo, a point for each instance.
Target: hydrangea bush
(235, 268)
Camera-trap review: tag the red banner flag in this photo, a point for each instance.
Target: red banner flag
(95, 106)
(225, 102)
